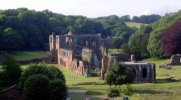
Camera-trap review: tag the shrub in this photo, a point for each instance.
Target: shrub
(128, 90)
(36, 87)
(48, 70)
(113, 92)
(58, 90)
(11, 71)
(119, 74)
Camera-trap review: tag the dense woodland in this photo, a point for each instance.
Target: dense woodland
(23, 29)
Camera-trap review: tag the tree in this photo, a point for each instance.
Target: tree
(58, 90)
(117, 44)
(147, 19)
(154, 45)
(11, 40)
(171, 39)
(119, 74)
(138, 42)
(11, 71)
(36, 87)
(48, 70)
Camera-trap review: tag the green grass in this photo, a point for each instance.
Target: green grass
(161, 90)
(134, 24)
(114, 51)
(97, 89)
(28, 55)
(73, 79)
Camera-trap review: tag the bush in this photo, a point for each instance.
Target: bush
(48, 70)
(128, 90)
(10, 72)
(58, 90)
(119, 74)
(113, 92)
(36, 87)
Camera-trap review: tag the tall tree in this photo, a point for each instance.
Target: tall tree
(171, 39)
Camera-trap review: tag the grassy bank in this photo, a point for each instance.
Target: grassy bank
(28, 55)
(161, 90)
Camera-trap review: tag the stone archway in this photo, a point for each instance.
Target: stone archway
(144, 73)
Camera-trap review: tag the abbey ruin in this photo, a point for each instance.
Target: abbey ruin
(82, 53)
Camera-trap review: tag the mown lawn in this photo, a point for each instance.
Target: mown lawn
(161, 90)
(134, 24)
(28, 55)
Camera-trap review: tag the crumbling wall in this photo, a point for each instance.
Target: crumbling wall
(175, 59)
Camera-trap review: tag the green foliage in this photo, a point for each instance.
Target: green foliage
(125, 48)
(48, 70)
(119, 74)
(25, 29)
(43, 82)
(154, 46)
(36, 87)
(138, 42)
(117, 43)
(58, 90)
(113, 92)
(10, 71)
(154, 43)
(128, 90)
(147, 19)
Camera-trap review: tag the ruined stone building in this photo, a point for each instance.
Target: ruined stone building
(84, 52)
(143, 71)
(80, 52)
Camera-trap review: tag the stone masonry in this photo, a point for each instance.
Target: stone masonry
(84, 52)
(80, 53)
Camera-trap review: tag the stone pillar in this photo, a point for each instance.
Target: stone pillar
(133, 58)
(104, 68)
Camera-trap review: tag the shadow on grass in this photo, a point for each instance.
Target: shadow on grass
(90, 92)
(166, 80)
(91, 83)
(146, 91)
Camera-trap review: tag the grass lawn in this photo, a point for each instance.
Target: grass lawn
(28, 55)
(96, 89)
(161, 90)
(134, 24)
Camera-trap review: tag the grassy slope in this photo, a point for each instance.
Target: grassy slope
(134, 24)
(162, 90)
(96, 89)
(28, 55)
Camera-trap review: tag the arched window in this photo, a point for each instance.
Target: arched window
(134, 72)
(144, 73)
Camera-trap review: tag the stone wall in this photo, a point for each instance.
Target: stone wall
(122, 57)
(175, 59)
(144, 72)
